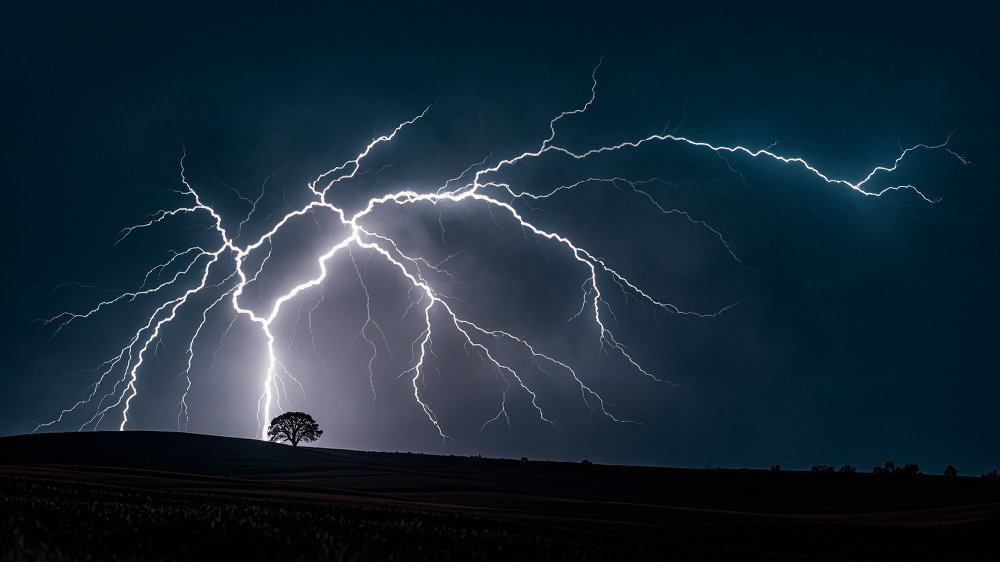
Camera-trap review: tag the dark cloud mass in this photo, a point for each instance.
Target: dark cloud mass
(863, 331)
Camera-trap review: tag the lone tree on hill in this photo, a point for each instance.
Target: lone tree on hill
(294, 427)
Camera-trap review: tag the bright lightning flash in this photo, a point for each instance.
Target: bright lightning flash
(233, 262)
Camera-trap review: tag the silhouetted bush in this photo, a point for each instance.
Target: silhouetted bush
(889, 468)
(585, 462)
(821, 468)
(847, 468)
(991, 476)
(775, 467)
(951, 471)
(907, 470)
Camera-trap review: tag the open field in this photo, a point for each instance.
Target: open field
(147, 495)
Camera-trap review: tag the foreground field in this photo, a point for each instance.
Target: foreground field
(173, 496)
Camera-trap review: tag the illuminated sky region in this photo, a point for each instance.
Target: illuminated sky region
(240, 268)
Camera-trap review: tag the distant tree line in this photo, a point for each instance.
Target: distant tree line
(826, 468)
(890, 469)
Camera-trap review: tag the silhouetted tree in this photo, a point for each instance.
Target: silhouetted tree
(294, 427)
(775, 467)
(821, 468)
(991, 476)
(907, 470)
(847, 468)
(951, 471)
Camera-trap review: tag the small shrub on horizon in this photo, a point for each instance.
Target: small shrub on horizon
(950, 471)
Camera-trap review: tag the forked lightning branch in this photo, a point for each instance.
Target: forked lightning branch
(239, 265)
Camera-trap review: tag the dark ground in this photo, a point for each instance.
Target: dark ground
(147, 495)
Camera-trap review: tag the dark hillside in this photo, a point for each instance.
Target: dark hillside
(212, 496)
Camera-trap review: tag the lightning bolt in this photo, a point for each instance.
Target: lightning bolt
(219, 274)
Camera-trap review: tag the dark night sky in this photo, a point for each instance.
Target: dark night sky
(866, 327)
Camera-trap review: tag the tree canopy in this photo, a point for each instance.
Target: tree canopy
(294, 427)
